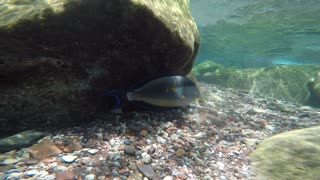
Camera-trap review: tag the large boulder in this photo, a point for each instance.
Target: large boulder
(57, 56)
(290, 155)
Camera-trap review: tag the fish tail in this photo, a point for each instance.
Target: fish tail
(116, 94)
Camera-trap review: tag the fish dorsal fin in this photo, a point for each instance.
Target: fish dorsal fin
(148, 80)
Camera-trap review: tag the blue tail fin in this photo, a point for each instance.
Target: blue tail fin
(117, 95)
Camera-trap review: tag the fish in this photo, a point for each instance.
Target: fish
(168, 91)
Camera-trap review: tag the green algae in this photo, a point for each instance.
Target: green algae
(280, 82)
(20, 140)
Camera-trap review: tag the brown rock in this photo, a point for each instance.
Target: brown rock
(180, 152)
(142, 142)
(182, 174)
(31, 161)
(74, 146)
(66, 175)
(143, 133)
(262, 122)
(44, 150)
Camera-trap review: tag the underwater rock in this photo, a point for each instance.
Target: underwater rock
(44, 150)
(20, 140)
(314, 90)
(280, 82)
(289, 155)
(58, 56)
(147, 170)
(69, 158)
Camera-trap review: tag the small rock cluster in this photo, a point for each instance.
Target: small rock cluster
(210, 140)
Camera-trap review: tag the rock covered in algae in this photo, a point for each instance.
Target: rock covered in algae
(281, 82)
(290, 155)
(314, 89)
(56, 57)
(20, 140)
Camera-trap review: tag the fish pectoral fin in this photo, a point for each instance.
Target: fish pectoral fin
(173, 89)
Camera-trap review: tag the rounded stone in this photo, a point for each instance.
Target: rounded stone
(69, 159)
(130, 150)
(146, 158)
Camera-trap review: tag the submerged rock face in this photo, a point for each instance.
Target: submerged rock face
(290, 155)
(20, 140)
(57, 56)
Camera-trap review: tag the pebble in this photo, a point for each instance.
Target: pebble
(132, 166)
(130, 150)
(72, 147)
(41, 174)
(135, 176)
(127, 141)
(44, 149)
(146, 158)
(200, 135)
(92, 151)
(112, 142)
(271, 128)
(161, 140)
(31, 161)
(147, 170)
(151, 150)
(86, 160)
(90, 177)
(10, 161)
(198, 145)
(65, 175)
(180, 152)
(250, 141)
(168, 178)
(15, 175)
(60, 169)
(143, 133)
(32, 172)
(69, 158)
(50, 177)
(174, 136)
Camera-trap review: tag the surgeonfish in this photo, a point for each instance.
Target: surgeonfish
(163, 92)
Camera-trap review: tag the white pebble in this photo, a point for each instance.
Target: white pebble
(50, 177)
(15, 175)
(93, 151)
(146, 158)
(270, 128)
(161, 140)
(200, 135)
(90, 177)
(41, 174)
(69, 159)
(167, 124)
(60, 168)
(220, 165)
(168, 178)
(174, 136)
(32, 172)
(112, 142)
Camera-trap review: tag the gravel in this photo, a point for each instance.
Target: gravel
(212, 139)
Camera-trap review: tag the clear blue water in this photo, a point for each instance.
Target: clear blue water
(251, 33)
